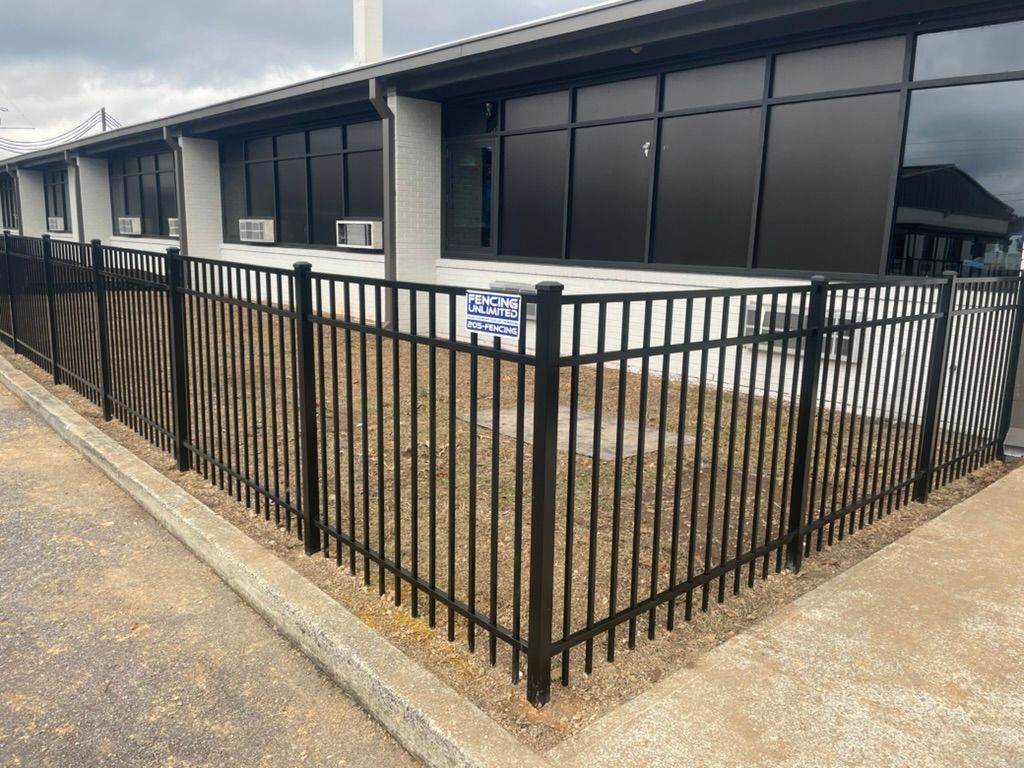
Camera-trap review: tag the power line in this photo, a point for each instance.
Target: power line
(72, 134)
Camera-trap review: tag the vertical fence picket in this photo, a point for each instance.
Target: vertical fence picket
(1011, 371)
(179, 371)
(9, 277)
(102, 337)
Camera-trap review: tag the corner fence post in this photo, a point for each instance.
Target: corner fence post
(302, 303)
(102, 339)
(51, 307)
(542, 514)
(809, 377)
(10, 291)
(1011, 372)
(936, 384)
(179, 374)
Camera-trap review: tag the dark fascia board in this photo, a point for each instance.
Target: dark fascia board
(589, 30)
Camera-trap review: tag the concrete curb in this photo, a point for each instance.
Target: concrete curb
(428, 718)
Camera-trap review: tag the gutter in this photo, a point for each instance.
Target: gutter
(379, 101)
(173, 140)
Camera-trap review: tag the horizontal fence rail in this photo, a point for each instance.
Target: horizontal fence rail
(624, 462)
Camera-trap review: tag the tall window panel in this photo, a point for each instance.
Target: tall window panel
(533, 194)
(469, 189)
(828, 173)
(960, 201)
(55, 195)
(305, 180)
(707, 175)
(8, 202)
(612, 167)
(144, 187)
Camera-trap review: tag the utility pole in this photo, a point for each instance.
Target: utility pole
(103, 118)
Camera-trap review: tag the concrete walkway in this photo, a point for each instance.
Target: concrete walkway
(119, 648)
(913, 657)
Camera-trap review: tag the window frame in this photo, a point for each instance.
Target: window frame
(305, 128)
(55, 180)
(138, 175)
(904, 86)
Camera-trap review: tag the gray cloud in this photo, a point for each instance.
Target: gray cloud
(63, 59)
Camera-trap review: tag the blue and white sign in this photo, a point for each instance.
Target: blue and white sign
(494, 314)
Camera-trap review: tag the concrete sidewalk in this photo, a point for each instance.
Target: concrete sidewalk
(119, 648)
(913, 657)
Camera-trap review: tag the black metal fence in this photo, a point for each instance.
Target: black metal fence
(627, 460)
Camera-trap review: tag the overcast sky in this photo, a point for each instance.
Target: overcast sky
(64, 59)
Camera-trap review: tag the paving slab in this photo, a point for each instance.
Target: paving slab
(912, 657)
(118, 648)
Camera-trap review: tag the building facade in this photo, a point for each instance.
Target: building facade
(635, 144)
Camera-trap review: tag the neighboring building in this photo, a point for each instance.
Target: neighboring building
(626, 145)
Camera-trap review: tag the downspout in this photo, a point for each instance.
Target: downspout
(379, 100)
(72, 160)
(173, 140)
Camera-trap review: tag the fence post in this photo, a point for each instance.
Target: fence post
(935, 385)
(10, 291)
(302, 303)
(809, 378)
(1011, 372)
(179, 373)
(51, 307)
(542, 514)
(102, 340)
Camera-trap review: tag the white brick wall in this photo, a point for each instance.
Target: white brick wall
(417, 187)
(200, 160)
(96, 212)
(33, 205)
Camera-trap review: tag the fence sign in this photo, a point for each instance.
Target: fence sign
(493, 314)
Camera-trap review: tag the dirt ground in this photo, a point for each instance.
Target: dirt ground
(588, 696)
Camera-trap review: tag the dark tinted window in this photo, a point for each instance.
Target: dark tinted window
(165, 162)
(611, 177)
(469, 184)
(150, 205)
(291, 193)
(261, 190)
(232, 181)
(133, 194)
(533, 194)
(537, 111)
(961, 195)
(711, 86)
(325, 140)
(364, 184)
(620, 99)
(117, 196)
(291, 145)
(325, 184)
(147, 163)
(874, 62)
(168, 200)
(827, 179)
(363, 136)
(231, 151)
(259, 149)
(707, 169)
(469, 119)
(975, 51)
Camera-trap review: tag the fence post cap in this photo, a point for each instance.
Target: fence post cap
(950, 274)
(96, 241)
(549, 286)
(46, 236)
(172, 251)
(815, 279)
(302, 266)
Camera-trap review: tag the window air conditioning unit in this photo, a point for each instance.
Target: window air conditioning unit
(174, 227)
(129, 225)
(256, 230)
(359, 234)
(523, 289)
(842, 344)
(55, 223)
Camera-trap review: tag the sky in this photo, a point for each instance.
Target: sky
(142, 59)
